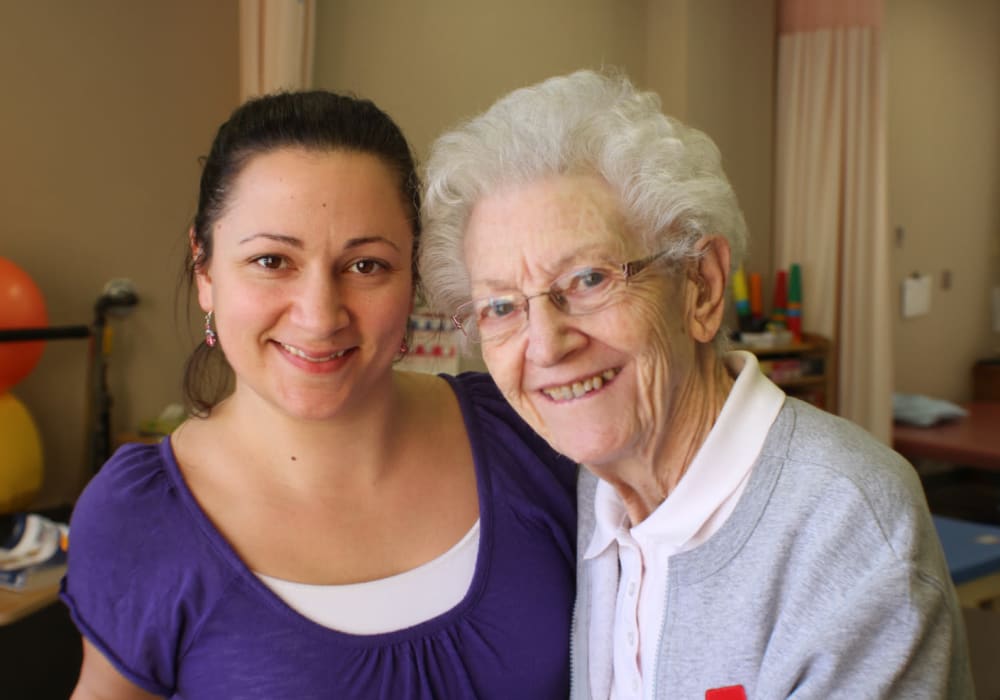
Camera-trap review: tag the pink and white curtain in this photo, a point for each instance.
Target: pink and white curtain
(277, 40)
(831, 208)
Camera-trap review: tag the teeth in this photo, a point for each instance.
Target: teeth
(299, 353)
(578, 389)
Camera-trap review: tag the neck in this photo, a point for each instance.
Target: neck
(353, 449)
(646, 478)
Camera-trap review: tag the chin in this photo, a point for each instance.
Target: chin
(584, 438)
(581, 453)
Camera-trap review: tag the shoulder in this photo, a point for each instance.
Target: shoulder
(477, 390)
(843, 487)
(137, 515)
(829, 449)
(488, 415)
(131, 520)
(136, 505)
(112, 561)
(811, 433)
(126, 487)
(140, 572)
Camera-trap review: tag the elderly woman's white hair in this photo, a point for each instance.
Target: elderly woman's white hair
(668, 176)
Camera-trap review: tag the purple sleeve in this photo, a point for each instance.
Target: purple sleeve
(118, 586)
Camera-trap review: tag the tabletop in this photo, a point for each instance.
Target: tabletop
(973, 440)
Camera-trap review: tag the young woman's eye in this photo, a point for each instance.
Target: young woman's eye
(269, 262)
(366, 266)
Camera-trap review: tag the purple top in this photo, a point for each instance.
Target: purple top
(157, 589)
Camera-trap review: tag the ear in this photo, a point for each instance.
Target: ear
(710, 276)
(201, 276)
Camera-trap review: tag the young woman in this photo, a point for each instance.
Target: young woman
(325, 527)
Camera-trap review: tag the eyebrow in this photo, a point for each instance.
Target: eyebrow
(297, 243)
(580, 255)
(355, 242)
(277, 237)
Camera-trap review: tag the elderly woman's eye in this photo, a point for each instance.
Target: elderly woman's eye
(497, 308)
(586, 281)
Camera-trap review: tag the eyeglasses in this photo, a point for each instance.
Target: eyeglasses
(577, 293)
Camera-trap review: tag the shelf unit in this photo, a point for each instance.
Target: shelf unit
(806, 370)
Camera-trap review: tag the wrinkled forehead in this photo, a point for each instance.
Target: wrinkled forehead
(548, 224)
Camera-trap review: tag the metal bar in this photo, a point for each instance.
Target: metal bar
(14, 335)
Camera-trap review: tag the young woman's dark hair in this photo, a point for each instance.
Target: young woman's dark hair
(315, 120)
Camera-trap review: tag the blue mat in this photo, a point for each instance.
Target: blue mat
(972, 549)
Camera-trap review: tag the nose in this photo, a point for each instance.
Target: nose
(550, 334)
(319, 307)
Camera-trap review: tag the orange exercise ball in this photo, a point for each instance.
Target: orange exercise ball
(20, 456)
(21, 306)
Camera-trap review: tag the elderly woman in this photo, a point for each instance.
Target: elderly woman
(734, 542)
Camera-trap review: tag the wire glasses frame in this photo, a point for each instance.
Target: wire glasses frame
(577, 293)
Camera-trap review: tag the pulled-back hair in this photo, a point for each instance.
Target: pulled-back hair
(315, 120)
(668, 176)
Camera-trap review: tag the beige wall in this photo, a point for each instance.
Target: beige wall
(107, 105)
(711, 61)
(430, 64)
(731, 59)
(944, 184)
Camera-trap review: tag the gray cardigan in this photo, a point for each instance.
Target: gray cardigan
(826, 581)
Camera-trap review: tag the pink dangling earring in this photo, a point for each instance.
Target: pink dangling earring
(210, 337)
(404, 349)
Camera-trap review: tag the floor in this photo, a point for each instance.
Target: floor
(964, 493)
(983, 630)
(971, 494)
(40, 656)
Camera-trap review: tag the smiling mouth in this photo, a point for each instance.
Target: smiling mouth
(575, 390)
(292, 350)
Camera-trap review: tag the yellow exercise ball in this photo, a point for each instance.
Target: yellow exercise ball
(20, 456)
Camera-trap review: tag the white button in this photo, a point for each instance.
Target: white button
(631, 588)
(635, 685)
(631, 639)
